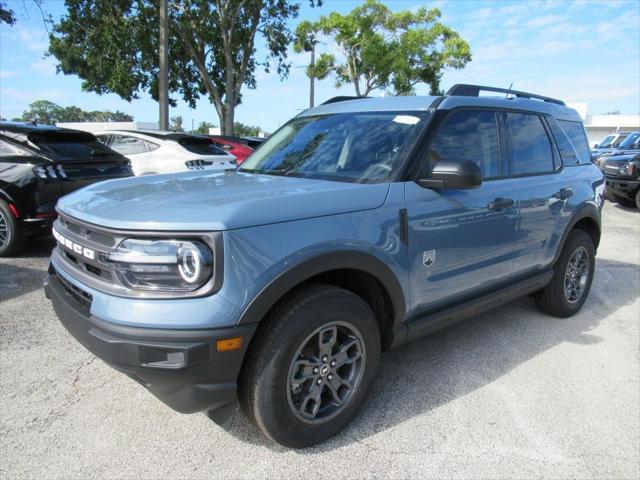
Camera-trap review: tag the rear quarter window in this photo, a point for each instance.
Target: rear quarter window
(201, 146)
(575, 133)
(71, 145)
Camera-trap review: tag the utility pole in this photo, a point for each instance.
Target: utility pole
(163, 82)
(312, 72)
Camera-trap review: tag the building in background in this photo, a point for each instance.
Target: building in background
(102, 126)
(599, 126)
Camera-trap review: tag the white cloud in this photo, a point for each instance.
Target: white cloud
(8, 74)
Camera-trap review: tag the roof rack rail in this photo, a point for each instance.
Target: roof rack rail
(341, 98)
(465, 90)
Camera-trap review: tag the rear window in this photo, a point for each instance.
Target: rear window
(575, 132)
(71, 145)
(201, 146)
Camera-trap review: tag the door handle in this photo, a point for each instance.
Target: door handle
(500, 203)
(563, 193)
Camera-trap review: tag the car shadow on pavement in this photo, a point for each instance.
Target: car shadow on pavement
(434, 370)
(626, 209)
(37, 247)
(16, 281)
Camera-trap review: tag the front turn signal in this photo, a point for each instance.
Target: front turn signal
(229, 344)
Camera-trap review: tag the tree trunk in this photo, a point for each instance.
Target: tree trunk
(226, 121)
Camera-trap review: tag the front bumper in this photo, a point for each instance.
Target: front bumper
(623, 187)
(182, 368)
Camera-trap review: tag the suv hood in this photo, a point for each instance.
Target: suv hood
(216, 201)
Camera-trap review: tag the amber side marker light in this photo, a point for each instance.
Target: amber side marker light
(229, 344)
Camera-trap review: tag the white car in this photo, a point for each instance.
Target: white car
(154, 151)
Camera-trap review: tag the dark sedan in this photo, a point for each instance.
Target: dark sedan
(38, 165)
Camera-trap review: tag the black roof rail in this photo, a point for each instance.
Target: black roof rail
(341, 98)
(465, 90)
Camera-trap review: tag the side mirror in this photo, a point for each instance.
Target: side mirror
(454, 175)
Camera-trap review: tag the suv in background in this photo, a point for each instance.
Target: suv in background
(358, 226)
(152, 151)
(38, 165)
(629, 146)
(608, 144)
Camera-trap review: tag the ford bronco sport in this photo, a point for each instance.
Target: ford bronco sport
(358, 226)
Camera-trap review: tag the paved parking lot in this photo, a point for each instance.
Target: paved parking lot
(511, 393)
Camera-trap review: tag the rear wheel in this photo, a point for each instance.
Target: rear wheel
(638, 199)
(573, 274)
(11, 237)
(310, 371)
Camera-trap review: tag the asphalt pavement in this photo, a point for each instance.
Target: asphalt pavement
(510, 393)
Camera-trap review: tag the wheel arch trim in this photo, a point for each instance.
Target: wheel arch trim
(349, 259)
(587, 211)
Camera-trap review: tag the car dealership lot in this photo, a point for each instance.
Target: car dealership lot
(511, 393)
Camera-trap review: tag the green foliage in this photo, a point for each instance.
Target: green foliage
(46, 112)
(113, 46)
(386, 50)
(6, 14)
(176, 124)
(204, 127)
(246, 130)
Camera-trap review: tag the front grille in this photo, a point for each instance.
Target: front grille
(97, 240)
(83, 298)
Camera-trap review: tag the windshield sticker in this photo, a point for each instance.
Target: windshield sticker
(406, 119)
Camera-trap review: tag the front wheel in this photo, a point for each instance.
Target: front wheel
(638, 199)
(573, 274)
(312, 366)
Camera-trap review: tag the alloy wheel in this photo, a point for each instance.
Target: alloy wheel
(4, 229)
(325, 372)
(577, 275)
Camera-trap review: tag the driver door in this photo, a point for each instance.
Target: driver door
(462, 242)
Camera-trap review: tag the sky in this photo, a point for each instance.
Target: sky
(582, 51)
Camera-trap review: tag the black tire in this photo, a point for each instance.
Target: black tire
(553, 299)
(266, 393)
(612, 197)
(11, 238)
(638, 199)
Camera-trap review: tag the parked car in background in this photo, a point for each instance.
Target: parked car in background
(233, 145)
(622, 173)
(360, 225)
(607, 144)
(152, 151)
(253, 142)
(630, 145)
(38, 165)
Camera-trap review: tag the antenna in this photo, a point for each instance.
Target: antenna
(509, 90)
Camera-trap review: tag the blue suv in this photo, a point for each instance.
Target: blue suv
(358, 226)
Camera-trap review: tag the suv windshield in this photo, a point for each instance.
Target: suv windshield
(607, 141)
(632, 142)
(363, 147)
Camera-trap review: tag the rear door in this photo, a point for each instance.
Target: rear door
(543, 188)
(461, 242)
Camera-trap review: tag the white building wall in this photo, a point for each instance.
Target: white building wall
(102, 126)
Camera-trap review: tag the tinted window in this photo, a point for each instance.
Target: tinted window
(632, 142)
(530, 145)
(128, 145)
(363, 147)
(575, 132)
(70, 145)
(568, 153)
(468, 135)
(201, 146)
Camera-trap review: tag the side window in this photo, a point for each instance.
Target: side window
(105, 139)
(6, 149)
(128, 145)
(468, 135)
(152, 146)
(575, 132)
(531, 150)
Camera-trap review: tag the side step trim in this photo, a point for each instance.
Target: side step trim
(432, 322)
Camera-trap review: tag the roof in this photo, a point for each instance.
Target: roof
(27, 127)
(447, 102)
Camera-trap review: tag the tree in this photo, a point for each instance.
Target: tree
(6, 15)
(46, 112)
(382, 49)
(112, 45)
(176, 124)
(204, 127)
(246, 130)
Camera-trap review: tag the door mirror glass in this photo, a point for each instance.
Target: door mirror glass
(465, 174)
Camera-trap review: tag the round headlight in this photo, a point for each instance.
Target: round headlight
(190, 262)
